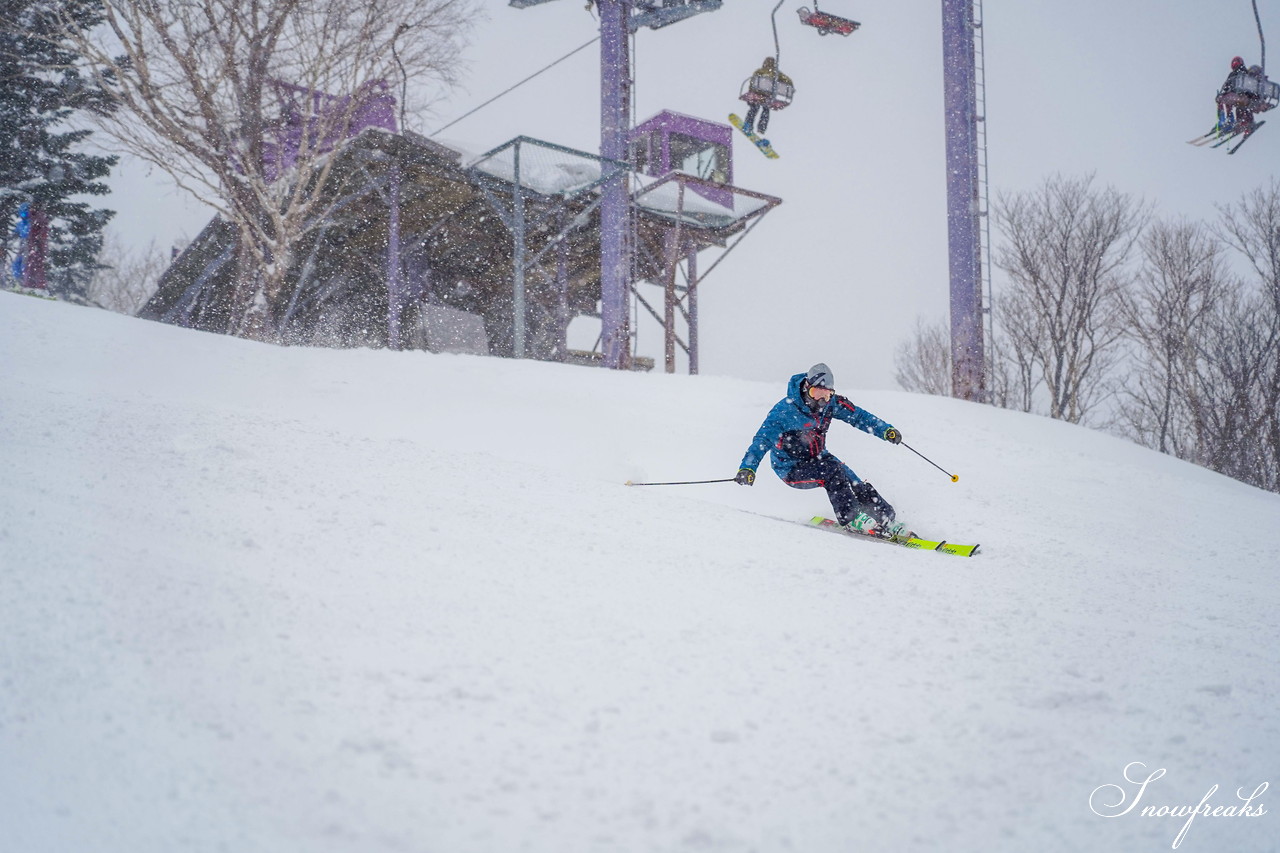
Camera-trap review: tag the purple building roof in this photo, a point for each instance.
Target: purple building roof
(658, 160)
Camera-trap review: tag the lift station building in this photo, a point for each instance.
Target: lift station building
(430, 249)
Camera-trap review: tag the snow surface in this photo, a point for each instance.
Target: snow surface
(549, 171)
(653, 194)
(285, 599)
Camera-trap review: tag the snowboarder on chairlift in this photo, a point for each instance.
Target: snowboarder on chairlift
(767, 89)
(795, 432)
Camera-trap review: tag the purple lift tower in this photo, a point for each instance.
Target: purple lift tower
(618, 20)
(964, 199)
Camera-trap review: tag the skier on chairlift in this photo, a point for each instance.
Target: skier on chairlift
(1246, 92)
(1235, 102)
(767, 89)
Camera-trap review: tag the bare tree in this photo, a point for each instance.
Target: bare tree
(1167, 315)
(1252, 227)
(1233, 410)
(1015, 373)
(923, 363)
(126, 278)
(241, 102)
(1065, 250)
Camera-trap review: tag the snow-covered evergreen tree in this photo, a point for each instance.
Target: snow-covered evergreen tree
(41, 161)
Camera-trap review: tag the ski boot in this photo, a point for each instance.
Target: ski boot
(895, 531)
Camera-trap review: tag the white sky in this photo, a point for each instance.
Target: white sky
(1111, 87)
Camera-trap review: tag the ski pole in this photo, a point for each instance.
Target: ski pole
(685, 483)
(954, 478)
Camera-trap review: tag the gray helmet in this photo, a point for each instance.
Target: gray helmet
(819, 376)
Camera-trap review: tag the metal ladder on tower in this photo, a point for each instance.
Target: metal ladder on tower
(984, 197)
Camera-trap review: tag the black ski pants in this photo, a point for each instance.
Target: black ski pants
(849, 495)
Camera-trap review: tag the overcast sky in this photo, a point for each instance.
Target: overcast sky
(840, 272)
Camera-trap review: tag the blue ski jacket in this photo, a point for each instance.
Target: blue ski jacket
(793, 432)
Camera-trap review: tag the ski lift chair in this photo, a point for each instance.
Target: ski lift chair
(825, 22)
(1263, 94)
(767, 91)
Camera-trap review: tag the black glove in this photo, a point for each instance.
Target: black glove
(892, 436)
(746, 477)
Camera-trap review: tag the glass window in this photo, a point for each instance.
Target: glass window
(699, 158)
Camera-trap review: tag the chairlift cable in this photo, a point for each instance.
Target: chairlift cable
(1258, 18)
(513, 88)
(773, 19)
(777, 50)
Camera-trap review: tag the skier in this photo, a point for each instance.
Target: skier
(795, 431)
(768, 88)
(1238, 99)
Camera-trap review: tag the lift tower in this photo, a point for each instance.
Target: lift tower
(618, 20)
(961, 41)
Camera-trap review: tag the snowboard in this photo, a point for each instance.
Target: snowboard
(766, 148)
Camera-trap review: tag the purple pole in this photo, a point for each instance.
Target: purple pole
(615, 112)
(393, 262)
(671, 255)
(693, 310)
(518, 307)
(968, 380)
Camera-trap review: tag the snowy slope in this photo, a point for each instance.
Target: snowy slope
(266, 599)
